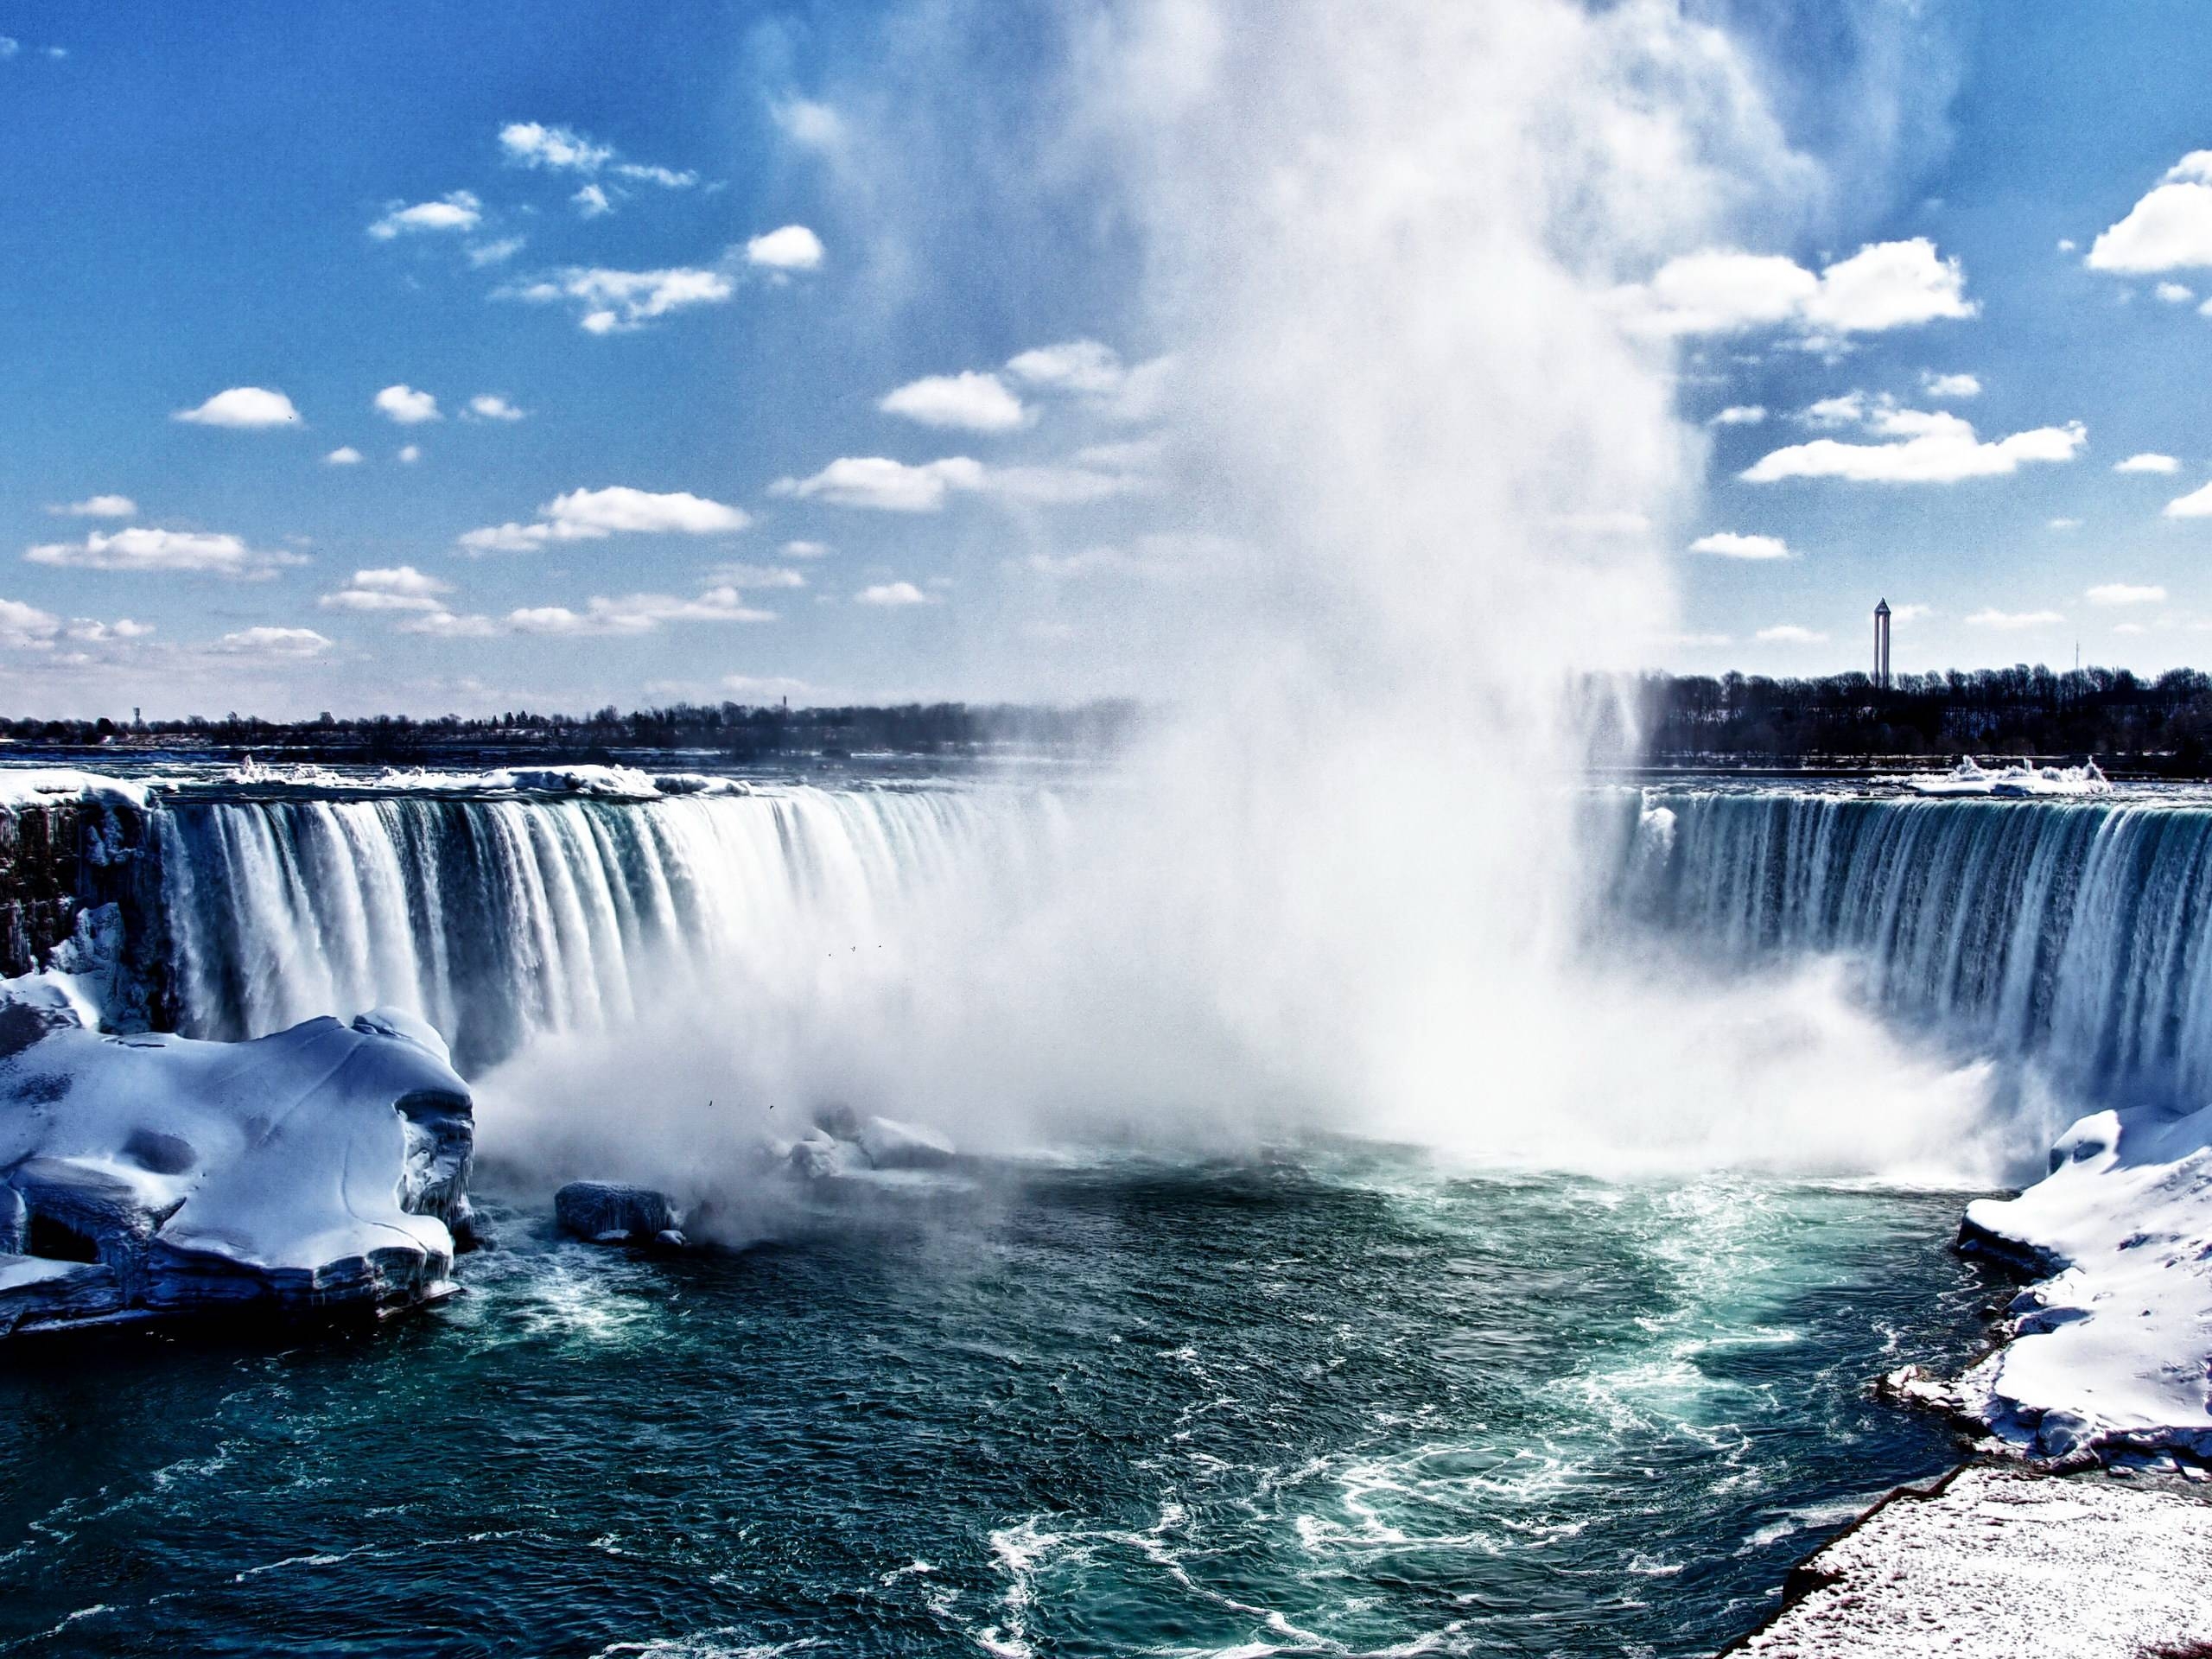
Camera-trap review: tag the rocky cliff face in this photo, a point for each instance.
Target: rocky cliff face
(62, 861)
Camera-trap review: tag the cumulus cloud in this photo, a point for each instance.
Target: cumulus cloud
(1921, 448)
(2197, 504)
(244, 408)
(615, 301)
(401, 588)
(792, 248)
(2014, 621)
(1727, 544)
(459, 212)
(2170, 229)
(756, 576)
(637, 614)
(2111, 594)
(1845, 409)
(884, 485)
(97, 506)
(591, 202)
(495, 253)
(406, 406)
(2147, 462)
(1884, 285)
(445, 624)
(2063, 523)
(1909, 613)
(272, 644)
(1789, 633)
(892, 595)
(1096, 372)
(815, 126)
(490, 406)
(2175, 293)
(532, 144)
(25, 627)
(590, 515)
(805, 550)
(410, 454)
(1950, 386)
(1739, 415)
(978, 403)
(345, 456)
(146, 552)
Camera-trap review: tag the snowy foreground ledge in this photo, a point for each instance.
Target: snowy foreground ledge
(1996, 1563)
(321, 1169)
(2109, 1356)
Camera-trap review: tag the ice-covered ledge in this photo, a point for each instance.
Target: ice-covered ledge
(321, 1169)
(1997, 1562)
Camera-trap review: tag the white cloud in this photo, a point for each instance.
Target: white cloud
(667, 177)
(490, 406)
(245, 408)
(1909, 613)
(1789, 633)
(402, 588)
(410, 454)
(979, 403)
(495, 253)
(591, 202)
(884, 485)
(792, 248)
(1950, 386)
(1846, 408)
(276, 644)
(97, 506)
(1739, 415)
(805, 550)
(2197, 504)
(2174, 293)
(2066, 244)
(406, 406)
(636, 613)
(1924, 448)
(458, 212)
(531, 143)
(816, 126)
(589, 515)
(1884, 285)
(2170, 229)
(765, 687)
(104, 633)
(2063, 523)
(345, 456)
(25, 627)
(190, 552)
(756, 576)
(613, 301)
(2121, 593)
(444, 624)
(892, 594)
(2013, 621)
(2147, 462)
(1727, 544)
(1074, 365)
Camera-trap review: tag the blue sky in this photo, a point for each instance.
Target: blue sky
(807, 372)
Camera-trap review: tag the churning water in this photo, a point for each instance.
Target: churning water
(1338, 1404)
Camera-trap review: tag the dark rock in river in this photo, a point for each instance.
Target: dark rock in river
(606, 1212)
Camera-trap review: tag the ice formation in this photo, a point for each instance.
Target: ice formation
(318, 1170)
(1970, 778)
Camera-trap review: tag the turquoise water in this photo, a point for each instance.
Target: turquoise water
(1340, 1404)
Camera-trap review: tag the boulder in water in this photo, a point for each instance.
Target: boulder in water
(606, 1212)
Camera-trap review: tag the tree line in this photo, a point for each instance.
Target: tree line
(2161, 725)
(734, 731)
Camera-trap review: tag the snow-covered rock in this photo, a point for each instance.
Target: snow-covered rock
(320, 1168)
(2111, 1352)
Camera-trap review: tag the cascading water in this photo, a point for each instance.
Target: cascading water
(2078, 932)
(502, 920)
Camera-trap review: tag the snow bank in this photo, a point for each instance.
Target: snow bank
(1969, 777)
(22, 786)
(1996, 1563)
(322, 1167)
(606, 783)
(2110, 1353)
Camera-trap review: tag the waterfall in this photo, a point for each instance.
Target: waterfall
(497, 920)
(2072, 931)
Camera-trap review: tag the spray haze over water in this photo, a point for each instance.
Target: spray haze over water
(1429, 476)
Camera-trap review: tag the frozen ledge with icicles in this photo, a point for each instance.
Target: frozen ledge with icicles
(322, 1170)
